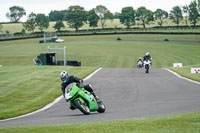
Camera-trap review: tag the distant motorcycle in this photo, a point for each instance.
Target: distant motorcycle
(139, 64)
(147, 65)
(81, 99)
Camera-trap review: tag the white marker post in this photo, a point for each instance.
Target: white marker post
(177, 65)
(195, 70)
(56, 50)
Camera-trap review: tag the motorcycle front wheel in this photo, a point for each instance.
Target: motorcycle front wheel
(82, 107)
(147, 70)
(102, 107)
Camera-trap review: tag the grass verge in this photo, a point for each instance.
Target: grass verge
(28, 88)
(186, 72)
(181, 123)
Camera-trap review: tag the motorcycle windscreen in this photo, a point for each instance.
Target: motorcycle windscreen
(147, 66)
(71, 90)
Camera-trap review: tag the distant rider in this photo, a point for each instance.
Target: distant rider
(140, 59)
(67, 79)
(139, 62)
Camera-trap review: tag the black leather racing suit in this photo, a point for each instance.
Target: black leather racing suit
(147, 57)
(72, 79)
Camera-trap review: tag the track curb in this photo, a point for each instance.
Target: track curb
(193, 81)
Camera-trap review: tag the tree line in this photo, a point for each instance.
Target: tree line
(77, 16)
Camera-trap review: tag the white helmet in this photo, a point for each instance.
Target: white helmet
(64, 75)
(147, 54)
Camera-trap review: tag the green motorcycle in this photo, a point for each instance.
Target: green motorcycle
(81, 99)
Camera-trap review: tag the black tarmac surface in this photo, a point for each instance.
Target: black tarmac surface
(127, 93)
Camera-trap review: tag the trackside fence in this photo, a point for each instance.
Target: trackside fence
(156, 30)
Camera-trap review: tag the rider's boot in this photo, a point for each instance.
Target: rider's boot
(96, 97)
(90, 89)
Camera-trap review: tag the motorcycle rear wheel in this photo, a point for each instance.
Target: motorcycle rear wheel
(82, 107)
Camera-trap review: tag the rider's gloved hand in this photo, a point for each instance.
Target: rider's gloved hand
(81, 85)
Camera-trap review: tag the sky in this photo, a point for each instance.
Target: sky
(45, 6)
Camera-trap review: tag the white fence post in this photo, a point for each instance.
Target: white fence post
(55, 50)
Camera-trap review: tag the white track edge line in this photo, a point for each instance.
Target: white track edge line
(50, 104)
(89, 76)
(181, 76)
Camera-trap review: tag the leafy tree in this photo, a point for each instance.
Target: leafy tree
(93, 18)
(116, 15)
(144, 15)
(7, 32)
(76, 16)
(103, 14)
(186, 12)
(42, 21)
(109, 15)
(1, 27)
(160, 15)
(193, 13)
(57, 15)
(176, 15)
(198, 3)
(30, 24)
(59, 24)
(16, 13)
(127, 17)
(23, 31)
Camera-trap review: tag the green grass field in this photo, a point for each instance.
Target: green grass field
(105, 51)
(26, 87)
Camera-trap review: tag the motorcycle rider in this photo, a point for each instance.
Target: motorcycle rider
(147, 57)
(138, 61)
(67, 79)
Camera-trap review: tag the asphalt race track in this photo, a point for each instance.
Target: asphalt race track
(127, 93)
